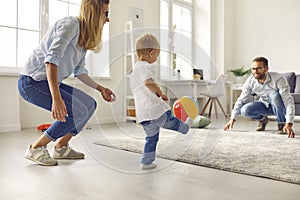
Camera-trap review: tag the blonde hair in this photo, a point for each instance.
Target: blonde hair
(145, 44)
(91, 19)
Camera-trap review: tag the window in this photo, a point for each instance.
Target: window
(61, 8)
(21, 31)
(176, 24)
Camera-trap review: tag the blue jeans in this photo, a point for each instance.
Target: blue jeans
(80, 106)
(167, 121)
(257, 110)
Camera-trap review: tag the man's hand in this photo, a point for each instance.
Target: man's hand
(288, 127)
(229, 125)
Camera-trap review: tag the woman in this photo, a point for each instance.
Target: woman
(62, 52)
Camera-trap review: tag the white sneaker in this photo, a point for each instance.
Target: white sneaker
(189, 122)
(150, 166)
(40, 155)
(66, 153)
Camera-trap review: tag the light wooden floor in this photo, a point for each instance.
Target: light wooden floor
(113, 174)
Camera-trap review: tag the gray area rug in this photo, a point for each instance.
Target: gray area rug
(262, 154)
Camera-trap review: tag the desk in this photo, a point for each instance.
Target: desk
(233, 89)
(193, 88)
(178, 88)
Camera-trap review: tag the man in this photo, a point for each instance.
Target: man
(274, 99)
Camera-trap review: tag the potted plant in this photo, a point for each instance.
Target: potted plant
(239, 73)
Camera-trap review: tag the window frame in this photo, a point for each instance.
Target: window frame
(11, 70)
(186, 5)
(42, 29)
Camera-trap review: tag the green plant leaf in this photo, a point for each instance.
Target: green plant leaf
(240, 71)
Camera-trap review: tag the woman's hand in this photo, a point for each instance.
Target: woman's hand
(59, 110)
(108, 95)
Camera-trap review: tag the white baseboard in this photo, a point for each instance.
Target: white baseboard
(10, 128)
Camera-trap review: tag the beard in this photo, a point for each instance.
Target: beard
(259, 76)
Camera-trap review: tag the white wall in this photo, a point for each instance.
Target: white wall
(9, 104)
(244, 29)
(267, 28)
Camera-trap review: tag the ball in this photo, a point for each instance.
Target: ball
(200, 122)
(185, 107)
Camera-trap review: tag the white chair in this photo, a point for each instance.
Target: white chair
(215, 90)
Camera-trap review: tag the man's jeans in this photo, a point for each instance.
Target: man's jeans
(167, 121)
(257, 110)
(80, 106)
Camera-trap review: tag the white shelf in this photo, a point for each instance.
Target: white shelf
(131, 107)
(129, 61)
(130, 118)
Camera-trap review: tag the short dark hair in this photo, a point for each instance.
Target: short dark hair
(261, 59)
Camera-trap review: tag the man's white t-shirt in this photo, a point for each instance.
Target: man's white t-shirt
(147, 105)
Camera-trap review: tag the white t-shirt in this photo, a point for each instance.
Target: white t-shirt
(147, 105)
(60, 47)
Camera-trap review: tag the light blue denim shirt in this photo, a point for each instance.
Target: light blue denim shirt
(60, 47)
(273, 82)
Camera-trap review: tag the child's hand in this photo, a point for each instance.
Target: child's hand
(158, 93)
(164, 97)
